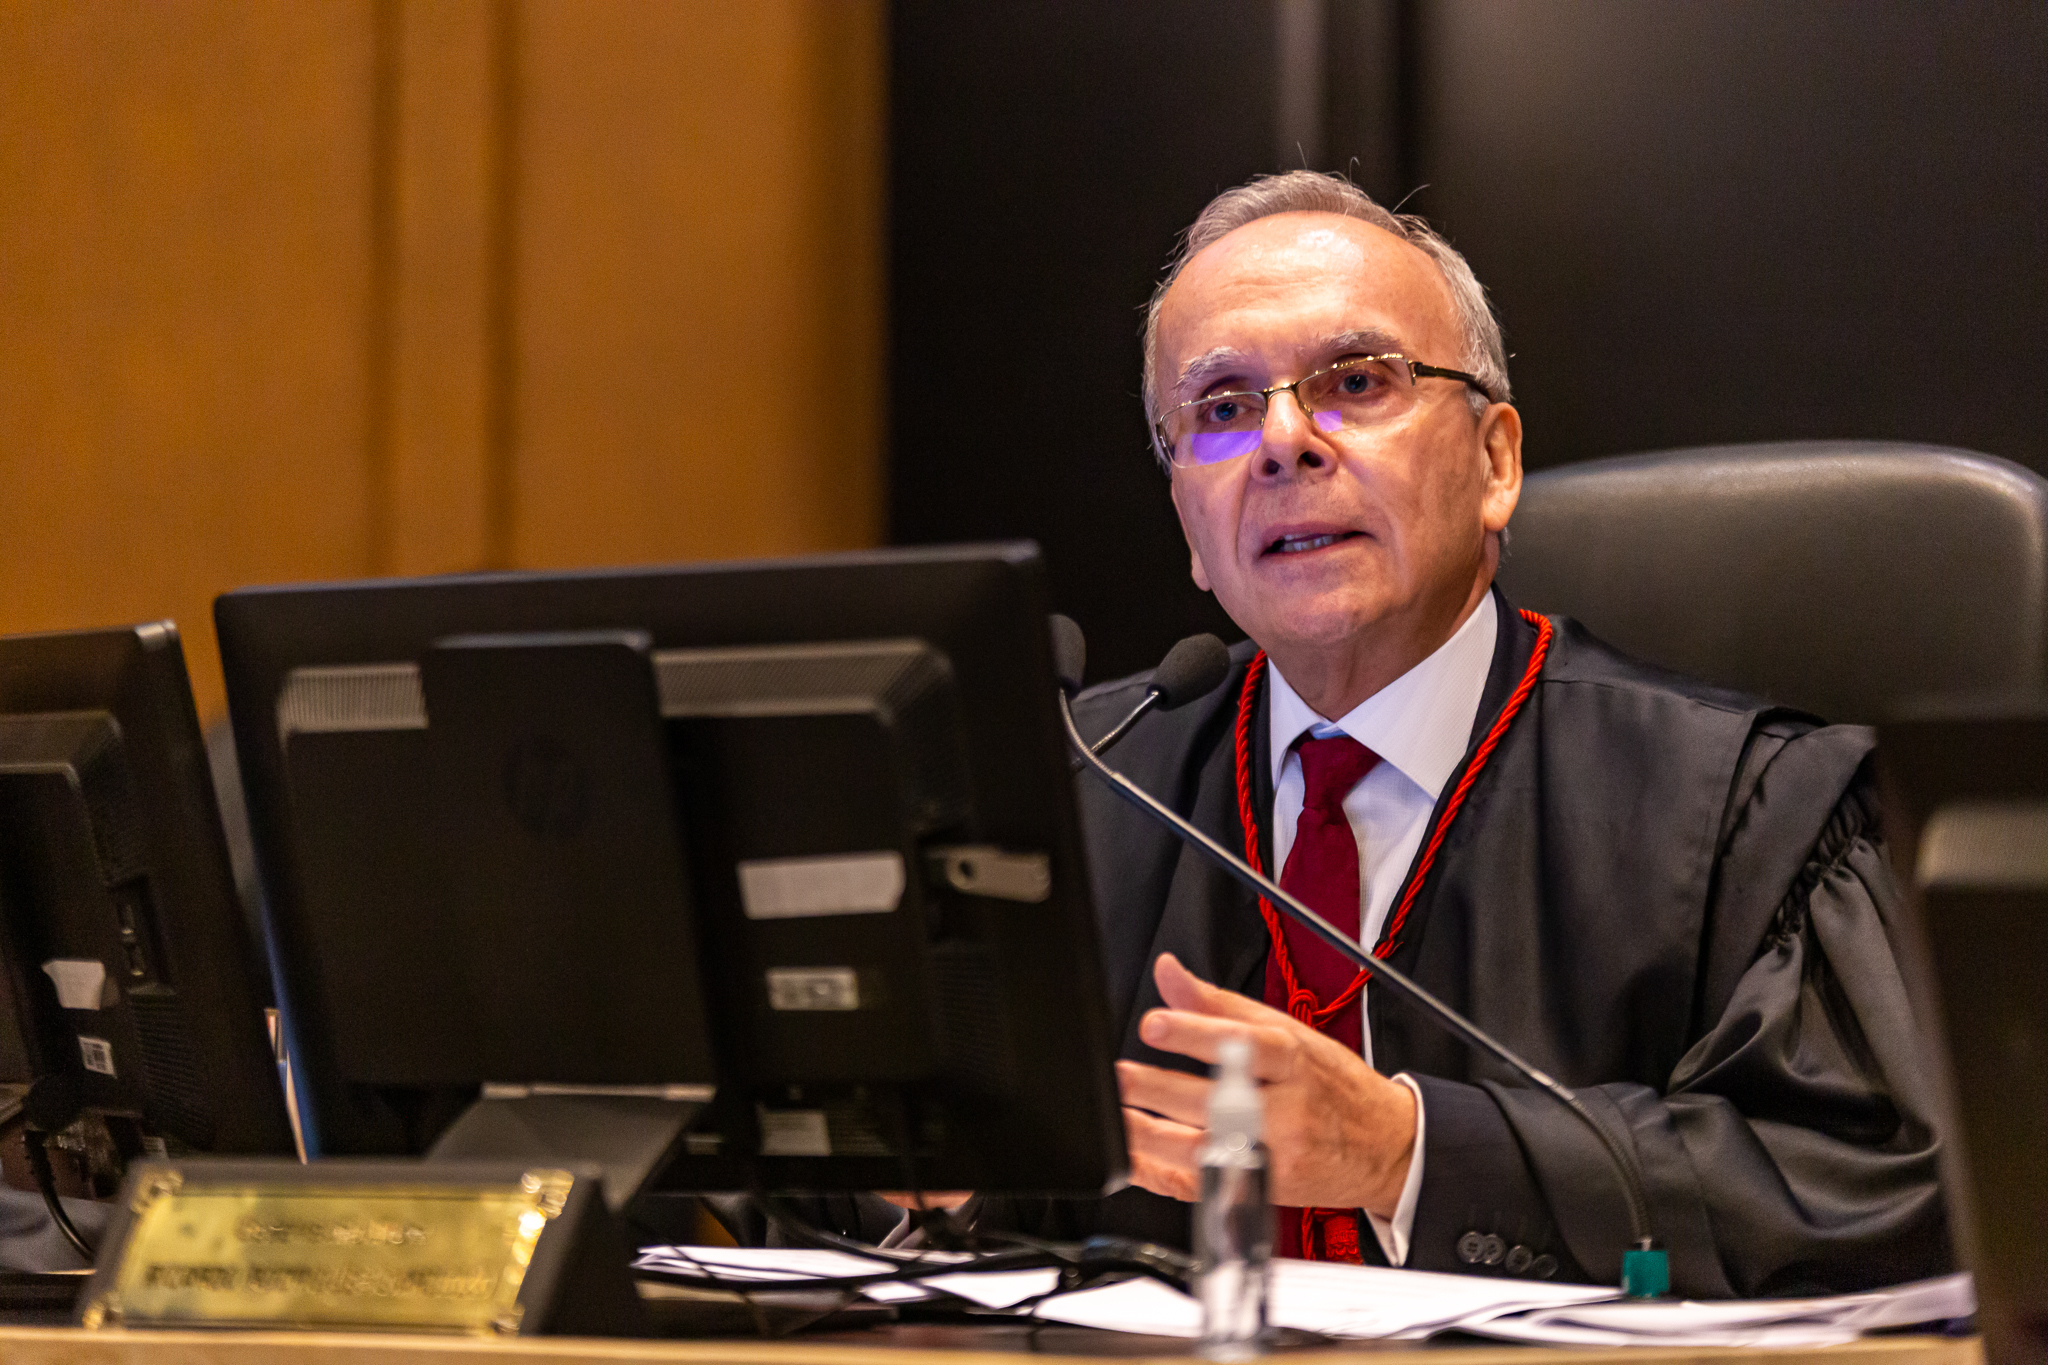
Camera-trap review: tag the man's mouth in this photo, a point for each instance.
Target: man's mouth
(1296, 545)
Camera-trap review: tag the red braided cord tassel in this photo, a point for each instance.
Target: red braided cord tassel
(1301, 1002)
(1391, 939)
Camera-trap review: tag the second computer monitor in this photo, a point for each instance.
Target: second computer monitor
(800, 831)
(131, 991)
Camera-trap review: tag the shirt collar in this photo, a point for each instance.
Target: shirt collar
(1420, 723)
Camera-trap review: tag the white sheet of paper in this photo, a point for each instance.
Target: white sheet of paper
(997, 1288)
(1375, 1301)
(1780, 1323)
(1143, 1306)
(898, 1291)
(765, 1264)
(1318, 1296)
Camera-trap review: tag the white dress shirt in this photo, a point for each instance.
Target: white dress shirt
(1419, 725)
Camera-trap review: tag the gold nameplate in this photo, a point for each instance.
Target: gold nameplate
(391, 1254)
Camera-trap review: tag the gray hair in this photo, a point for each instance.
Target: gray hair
(1484, 354)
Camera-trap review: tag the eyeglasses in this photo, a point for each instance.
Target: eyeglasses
(1360, 393)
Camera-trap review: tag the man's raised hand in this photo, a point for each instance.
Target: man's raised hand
(1340, 1135)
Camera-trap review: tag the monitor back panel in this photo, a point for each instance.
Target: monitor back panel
(1967, 801)
(114, 870)
(998, 1003)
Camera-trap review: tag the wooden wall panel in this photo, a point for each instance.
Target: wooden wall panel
(697, 307)
(183, 276)
(302, 291)
(441, 218)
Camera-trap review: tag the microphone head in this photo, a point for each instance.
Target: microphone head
(1193, 668)
(1069, 652)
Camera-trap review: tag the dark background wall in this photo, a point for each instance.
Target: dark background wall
(1725, 221)
(1751, 220)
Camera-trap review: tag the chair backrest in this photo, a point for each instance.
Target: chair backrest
(1857, 580)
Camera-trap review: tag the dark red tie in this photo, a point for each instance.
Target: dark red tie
(1322, 871)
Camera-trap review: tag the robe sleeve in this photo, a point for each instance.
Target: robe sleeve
(1791, 1150)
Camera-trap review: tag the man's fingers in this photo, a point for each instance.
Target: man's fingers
(933, 1199)
(1172, 1094)
(1164, 1155)
(1162, 1139)
(1162, 1179)
(1181, 989)
(1201, 1036)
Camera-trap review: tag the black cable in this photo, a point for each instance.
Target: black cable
(755, 1307)
(1079, 1265)
(1456, 1023)
(717, 1281)
(918, 1258)
(1075, 1273)
(934, 1225)
(849, 1287)
(34, 1145)
(1024, 1253)
(818, 1239)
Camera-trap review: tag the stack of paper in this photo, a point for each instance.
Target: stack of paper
(748, 1267)
(1782, 1323)
(1366, 1302)
(1333, 1300)
(752, 1265)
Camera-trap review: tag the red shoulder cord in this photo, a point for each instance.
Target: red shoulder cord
(1301, 1001)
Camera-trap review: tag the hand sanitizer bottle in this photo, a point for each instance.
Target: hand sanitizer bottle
(1234, 1222)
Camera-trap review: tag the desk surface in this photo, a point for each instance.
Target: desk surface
(902, 1345)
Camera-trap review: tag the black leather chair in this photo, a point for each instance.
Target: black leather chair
(1857, 580)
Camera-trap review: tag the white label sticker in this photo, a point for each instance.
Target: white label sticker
(78, 981)
(837, 884)
(794, 1132)
(813, 988)
(98, 1054)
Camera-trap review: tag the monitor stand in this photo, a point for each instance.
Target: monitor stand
(627, 1136)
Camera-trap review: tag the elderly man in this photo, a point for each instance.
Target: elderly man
(1671, 897)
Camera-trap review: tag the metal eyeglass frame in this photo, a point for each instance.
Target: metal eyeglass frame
(1417, 371)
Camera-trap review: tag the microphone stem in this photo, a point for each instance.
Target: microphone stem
(1102, 746)
(1383, 972)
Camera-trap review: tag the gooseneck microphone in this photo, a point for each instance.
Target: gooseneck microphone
(1644, 1269)
(1193, 668)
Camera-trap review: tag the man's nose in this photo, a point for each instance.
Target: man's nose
(1291, 443)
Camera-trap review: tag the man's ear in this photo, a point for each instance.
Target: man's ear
(1500, 441)
(1195, 569)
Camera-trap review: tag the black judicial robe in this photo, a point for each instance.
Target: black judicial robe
(1671, 897)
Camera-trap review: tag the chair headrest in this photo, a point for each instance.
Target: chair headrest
(1859, 580)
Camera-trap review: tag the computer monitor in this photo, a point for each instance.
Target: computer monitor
(801, 833)
(1966, 802)
(132, 994)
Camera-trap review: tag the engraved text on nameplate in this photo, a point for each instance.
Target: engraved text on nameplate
(402, 1256)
